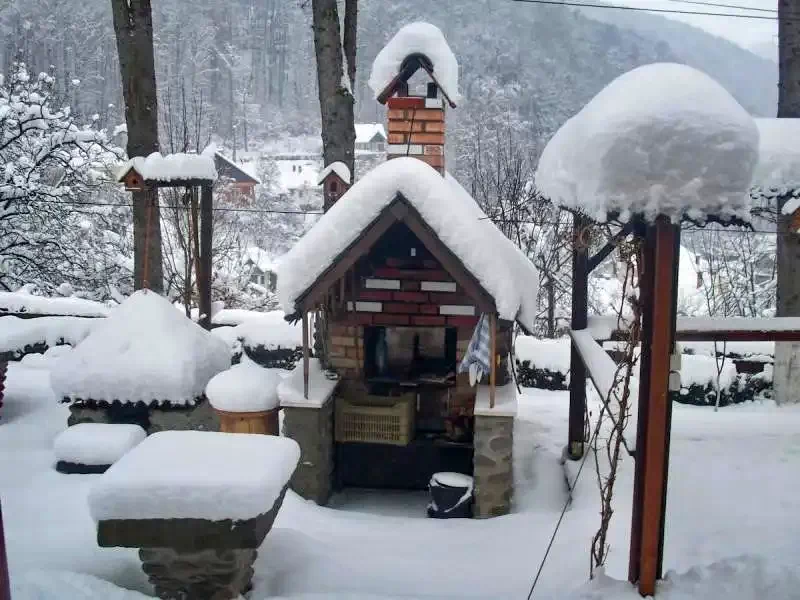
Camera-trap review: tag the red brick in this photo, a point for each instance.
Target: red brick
(428, 320)
(405, 102)
(419, 297)
(434, 127)
(409, 286)
(450, 298)
(428, 138)
(357, 318)
(429, 309)
(462, 321)
(432, 159)
(353, 353)
(397, 138)
(388, 273)
(401, 307)
(375, 295)
(407, 126)
(384, 319)
(429, 114)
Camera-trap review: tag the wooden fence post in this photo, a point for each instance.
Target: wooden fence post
(580, 318)
(206, 235)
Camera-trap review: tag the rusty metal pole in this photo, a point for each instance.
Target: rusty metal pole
(580, 318)
(5, 582)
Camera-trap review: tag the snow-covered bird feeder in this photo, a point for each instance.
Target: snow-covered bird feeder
(146, 363)
(246, 398)
(94, 447)
(197, 505)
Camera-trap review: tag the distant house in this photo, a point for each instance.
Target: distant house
(261, 268)
(237, 178)
(370, 137)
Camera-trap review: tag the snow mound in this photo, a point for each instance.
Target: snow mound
(53, 585)
(16, 334)
(246, 387)
(501, 268)
(320, 386)
(660, 139)
(20, 302)
(778, 170)
(552, 355)
(170, 167)
(699, 369)
(96, 443)
(338, 167)
(146, 351)
(416, 38)
(272, 331)
(196, 475)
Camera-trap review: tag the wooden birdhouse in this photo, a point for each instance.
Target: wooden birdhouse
(795, 225)
(133, 180)
(335, 181)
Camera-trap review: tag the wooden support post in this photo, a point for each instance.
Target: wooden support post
(5, 582)
(493, 359)
(206, 235)
(580, 318)
(652, 449)
(305, 354)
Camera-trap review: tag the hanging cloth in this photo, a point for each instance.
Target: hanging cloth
(476, 360)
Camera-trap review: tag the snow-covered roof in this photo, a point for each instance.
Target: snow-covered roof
(499, 266)
(778, 170)
(416, 38)
(172, 167)
(230, 164)
(144, 351)
(338, 167)
(366, 132)
(661, 139)
(259, 258)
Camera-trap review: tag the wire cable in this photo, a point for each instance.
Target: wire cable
(650, 10)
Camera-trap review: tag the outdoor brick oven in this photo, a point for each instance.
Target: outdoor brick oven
(409, 265)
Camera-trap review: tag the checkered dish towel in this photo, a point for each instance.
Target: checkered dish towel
(476, 360)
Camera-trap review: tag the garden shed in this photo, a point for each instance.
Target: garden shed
(400, 271)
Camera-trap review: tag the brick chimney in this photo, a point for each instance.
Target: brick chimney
(416, 126)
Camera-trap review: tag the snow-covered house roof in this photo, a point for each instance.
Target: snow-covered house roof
(338, 167)
(238, 172)
(167, 168)
(145, 351)
(367, 132)
(409, 188)
(662, 139)
(778, 170)
(416, 39)
(259, 258)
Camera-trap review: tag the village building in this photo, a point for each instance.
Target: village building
(370, 137)
(399, 272)
(237, 181)
(260, 268)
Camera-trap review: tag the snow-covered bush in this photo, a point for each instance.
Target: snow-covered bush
(542, 364)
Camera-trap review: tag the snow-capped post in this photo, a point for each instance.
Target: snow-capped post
(580, 315)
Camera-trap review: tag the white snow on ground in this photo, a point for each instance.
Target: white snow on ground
(778, 170)
(16, 333)
(196, 475)
(20, 302)
(246, 387)
(553, 355)
(733, 491)
(145, 351)
(96, 443)
(169, 167)
(501, 268)
(299, 173)
(416, 38)
(49, 585)
(291, 391)
(338, 167)
(660, 139)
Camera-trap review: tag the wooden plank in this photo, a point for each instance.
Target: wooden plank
(656, 440)
(580, 318)
(305, 355)
(206, 235)
(603, 253)
(492, 358)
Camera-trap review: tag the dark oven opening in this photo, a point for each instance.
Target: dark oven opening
(415, 354)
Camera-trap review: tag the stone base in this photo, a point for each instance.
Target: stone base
(207, 574)
(312, 429)
(200, 417)
(493, 466)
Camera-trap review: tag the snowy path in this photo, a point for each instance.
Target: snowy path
(733, 490)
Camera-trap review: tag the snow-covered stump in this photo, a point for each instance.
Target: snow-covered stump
(309, 421)
(94, 447)
(493, 468)
(197, 505)
(245, 398)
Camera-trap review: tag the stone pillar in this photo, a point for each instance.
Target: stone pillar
(493, 466)
(312, 429)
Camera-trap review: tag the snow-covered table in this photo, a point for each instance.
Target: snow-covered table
(94, 447)
(197, 504)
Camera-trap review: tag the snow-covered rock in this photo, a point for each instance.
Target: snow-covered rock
(146, 351)
(662, 139)
(16, 334)
(246, 387)
(196, 475)
(501, 268)
(416, 38)
(20, 302)
(96, 443)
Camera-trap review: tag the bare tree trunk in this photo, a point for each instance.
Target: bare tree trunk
(349, 39)
(787, 356)
(335, 99)
(133, 26)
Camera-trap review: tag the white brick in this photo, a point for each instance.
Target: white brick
(382, 284)
(433, 103)
(366, 306)
(457, 309)
(404, 149)
(438, 286)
